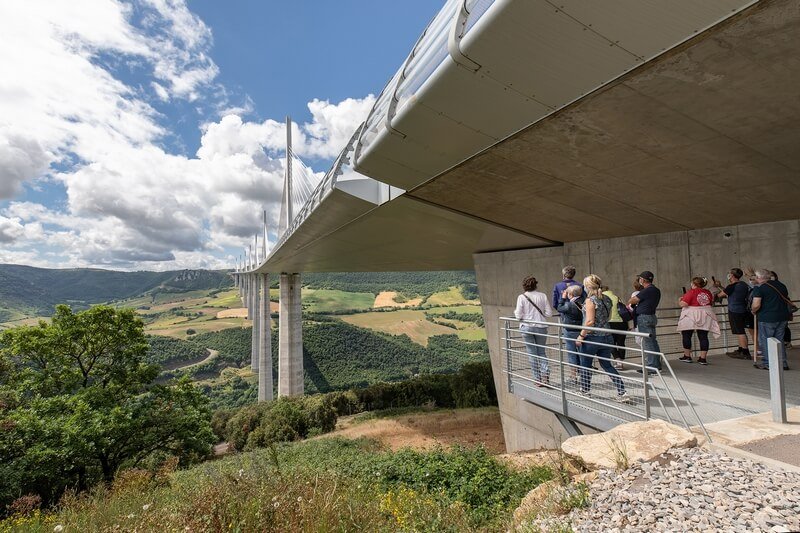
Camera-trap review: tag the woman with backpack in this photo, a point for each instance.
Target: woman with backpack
(619, 321)
(596, 312)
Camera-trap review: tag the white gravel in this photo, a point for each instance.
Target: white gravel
(693, 490)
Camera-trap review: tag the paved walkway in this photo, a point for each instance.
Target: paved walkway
(732, 388)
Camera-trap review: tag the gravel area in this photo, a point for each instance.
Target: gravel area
(690, 490)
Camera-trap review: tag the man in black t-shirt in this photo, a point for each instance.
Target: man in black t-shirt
(646, 302)
(739, 316)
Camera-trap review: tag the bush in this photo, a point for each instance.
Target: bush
(288, 419)
(190, 331)
(283, 420)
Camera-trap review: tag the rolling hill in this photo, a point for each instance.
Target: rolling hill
(31, 291)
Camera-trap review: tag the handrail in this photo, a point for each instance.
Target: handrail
(524, 356)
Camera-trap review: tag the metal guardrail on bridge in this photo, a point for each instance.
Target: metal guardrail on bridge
(588, 395)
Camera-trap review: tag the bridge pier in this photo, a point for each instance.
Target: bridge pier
(265, 393)
(254, 318)
(290, 337)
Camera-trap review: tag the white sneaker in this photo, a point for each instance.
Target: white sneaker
(618, 365)
(623, 398)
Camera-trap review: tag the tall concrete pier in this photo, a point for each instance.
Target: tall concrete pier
(290, 337)
(254, 317)
(264, 341)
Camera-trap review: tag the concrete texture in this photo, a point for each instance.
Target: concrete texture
(290, 337)
(743, 431)
(265, 392)
(255, 318)
(657, 150)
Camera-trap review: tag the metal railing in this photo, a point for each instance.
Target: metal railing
(547, 369)
(669, 339)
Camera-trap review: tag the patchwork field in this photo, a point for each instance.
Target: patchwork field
(387, 299)
(326, 300)
(452, 296)
(414, 324)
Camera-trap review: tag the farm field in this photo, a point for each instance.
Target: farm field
(326, 300)
(414, 324)
(388, 299)
(452, 296)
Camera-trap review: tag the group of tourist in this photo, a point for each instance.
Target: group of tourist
(590, 305)
(763, 300)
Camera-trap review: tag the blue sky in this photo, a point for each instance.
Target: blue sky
(148, 134)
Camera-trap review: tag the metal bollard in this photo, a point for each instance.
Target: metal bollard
(776, 388)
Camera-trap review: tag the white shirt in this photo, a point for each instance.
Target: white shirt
(526, 311)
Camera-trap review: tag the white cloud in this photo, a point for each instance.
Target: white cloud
(66, 116)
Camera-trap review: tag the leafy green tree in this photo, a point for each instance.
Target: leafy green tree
(78, 402)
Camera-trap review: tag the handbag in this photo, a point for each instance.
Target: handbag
(624, 312)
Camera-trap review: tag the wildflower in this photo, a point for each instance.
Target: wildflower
(131, 515)
(241, 472)
(146, 506)
(58, 528)
(275, 505)
(299, 498)
(274, 498)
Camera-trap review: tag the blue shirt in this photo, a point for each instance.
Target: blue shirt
(559, 287)
(649, 298)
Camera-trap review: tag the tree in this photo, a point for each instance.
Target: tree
(78, 402)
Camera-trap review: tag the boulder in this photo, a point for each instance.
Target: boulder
(627, 444)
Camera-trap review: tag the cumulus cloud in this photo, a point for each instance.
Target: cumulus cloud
(67, 117)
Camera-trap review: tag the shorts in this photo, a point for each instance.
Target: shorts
(740, 322)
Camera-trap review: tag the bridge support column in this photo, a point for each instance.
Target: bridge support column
(290, 335)
(264, 341)
(254, 318)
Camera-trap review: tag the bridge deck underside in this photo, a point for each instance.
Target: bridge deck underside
(664, 148)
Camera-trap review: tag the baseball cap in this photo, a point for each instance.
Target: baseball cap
(647, 275)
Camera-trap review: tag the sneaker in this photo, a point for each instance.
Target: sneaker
(686, 359)
(739, 354)
(761, 366)
(583, 393)
(735, 352)
(623, 398)
(618, 365)
(703, 361)
(786, 367)
(649, 372)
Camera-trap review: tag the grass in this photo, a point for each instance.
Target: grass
(452, 296)
(408, 322)
(321, 300)
(318, 485)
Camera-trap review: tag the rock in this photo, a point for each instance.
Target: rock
(627, 444)
(586, 477)
(534, 500)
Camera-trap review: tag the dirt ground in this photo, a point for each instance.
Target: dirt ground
(468, 427)
(386, 299)
(781, 448)
(241, 312)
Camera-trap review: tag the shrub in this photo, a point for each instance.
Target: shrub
(190, 331)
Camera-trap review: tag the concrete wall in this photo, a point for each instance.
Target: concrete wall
(673, 257)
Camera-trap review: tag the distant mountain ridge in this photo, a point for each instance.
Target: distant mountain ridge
(26, 290)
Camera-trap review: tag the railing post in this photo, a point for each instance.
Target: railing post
(725, 331)
(645, 376)
(564, 408)
(507, 334)
(776, 388)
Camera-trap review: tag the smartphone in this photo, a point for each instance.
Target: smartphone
(683, 289)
